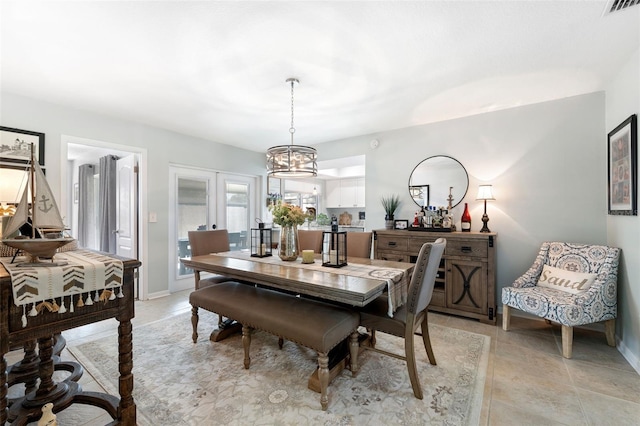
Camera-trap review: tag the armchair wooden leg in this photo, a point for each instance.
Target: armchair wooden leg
(194, 323)
(246, 343)
(610, 332)
(506, 317)
(567, 341)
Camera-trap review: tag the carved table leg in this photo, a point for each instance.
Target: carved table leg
(127, 407)
(28, 408)
(26, 370)
(3, 390)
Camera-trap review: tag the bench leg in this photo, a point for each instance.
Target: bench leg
(323, 377)
(194, 323)
(246, 343)
(354, 348)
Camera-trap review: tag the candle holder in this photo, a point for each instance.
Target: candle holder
(260, 241)
(334, 249)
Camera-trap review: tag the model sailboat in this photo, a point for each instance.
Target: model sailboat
(43, 216)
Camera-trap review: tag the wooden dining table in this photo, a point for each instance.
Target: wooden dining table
(356, 284)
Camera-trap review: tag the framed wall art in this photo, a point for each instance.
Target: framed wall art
(15, 143)
(622, 168)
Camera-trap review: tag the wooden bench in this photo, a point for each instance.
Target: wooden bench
(316, 325)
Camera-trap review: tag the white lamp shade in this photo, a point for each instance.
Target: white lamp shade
(12, 183)
(485, 193)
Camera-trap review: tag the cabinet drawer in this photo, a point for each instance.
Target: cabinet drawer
(467, 248)
(392, 256)
(415, 244)
(392, 243)
(437, 299)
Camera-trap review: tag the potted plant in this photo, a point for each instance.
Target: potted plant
(390, 204)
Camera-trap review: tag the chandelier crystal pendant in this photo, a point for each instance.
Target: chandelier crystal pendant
(292, 160)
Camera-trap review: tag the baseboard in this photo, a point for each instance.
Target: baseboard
(157, 295)
(631, 358)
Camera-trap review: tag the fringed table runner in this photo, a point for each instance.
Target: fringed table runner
(397, 279)
(88, 277)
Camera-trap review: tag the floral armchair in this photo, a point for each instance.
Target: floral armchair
(597, 303)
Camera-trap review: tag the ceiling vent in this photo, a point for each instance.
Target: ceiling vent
(615, 5)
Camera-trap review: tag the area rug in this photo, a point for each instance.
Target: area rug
(177, 382)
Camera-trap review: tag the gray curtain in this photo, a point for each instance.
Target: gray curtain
(107, 216)
(86, 207)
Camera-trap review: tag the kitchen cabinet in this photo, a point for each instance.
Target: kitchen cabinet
(345, 193)
(465, 284)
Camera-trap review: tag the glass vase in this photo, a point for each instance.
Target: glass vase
(289, 248)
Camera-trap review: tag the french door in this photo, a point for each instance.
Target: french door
(201, 200)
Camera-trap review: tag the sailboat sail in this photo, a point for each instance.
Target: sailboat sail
(45, 211)
(21, 215)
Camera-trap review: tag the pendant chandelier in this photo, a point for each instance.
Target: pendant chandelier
(292, 160)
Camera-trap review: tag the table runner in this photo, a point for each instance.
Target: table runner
(397, 280)
(90, 276)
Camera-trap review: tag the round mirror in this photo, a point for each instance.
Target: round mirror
(433, 178)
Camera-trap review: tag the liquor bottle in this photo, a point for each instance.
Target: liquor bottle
(465, 222)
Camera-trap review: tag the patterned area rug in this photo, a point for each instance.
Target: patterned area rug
(181, 383)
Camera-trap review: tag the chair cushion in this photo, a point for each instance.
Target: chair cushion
(563, 280)
(316, 325)
(375, 315)
(559, 306)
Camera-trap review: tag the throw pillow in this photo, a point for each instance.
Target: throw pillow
(561, 279)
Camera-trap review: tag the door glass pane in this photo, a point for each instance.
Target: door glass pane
(237, 198)
(192, 215)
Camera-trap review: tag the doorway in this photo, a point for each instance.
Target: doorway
(203, 199)
(131, 181)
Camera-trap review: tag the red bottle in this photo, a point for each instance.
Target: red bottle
(465, 222)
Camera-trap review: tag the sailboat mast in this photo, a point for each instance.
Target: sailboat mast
(33, 194)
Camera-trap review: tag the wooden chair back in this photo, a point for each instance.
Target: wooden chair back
(359, 244)
(310, 240)
(205, 242)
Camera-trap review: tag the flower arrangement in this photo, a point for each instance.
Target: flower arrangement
(285, 214)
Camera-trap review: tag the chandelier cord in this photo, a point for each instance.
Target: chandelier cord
(292, 129)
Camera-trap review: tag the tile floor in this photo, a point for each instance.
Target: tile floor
(528, 381)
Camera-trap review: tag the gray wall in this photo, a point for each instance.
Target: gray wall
(548, 167)
(163, 147)
(623, 100)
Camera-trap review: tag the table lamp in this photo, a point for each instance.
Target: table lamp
(485, 193)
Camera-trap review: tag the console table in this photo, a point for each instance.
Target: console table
(466, 280)
(42, 329)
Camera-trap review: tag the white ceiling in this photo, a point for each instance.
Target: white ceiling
(217, 70)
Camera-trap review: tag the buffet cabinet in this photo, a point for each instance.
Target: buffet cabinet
(466, 283)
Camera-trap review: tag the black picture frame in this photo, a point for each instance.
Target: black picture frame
(401, 224)
(11, 153)
(622, 168)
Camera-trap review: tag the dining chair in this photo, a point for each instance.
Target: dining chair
(309, 239)
(206, 242)
(405, 321)
(359, 244)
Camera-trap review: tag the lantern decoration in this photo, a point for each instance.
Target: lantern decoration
(260, 241)
(334, 249)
